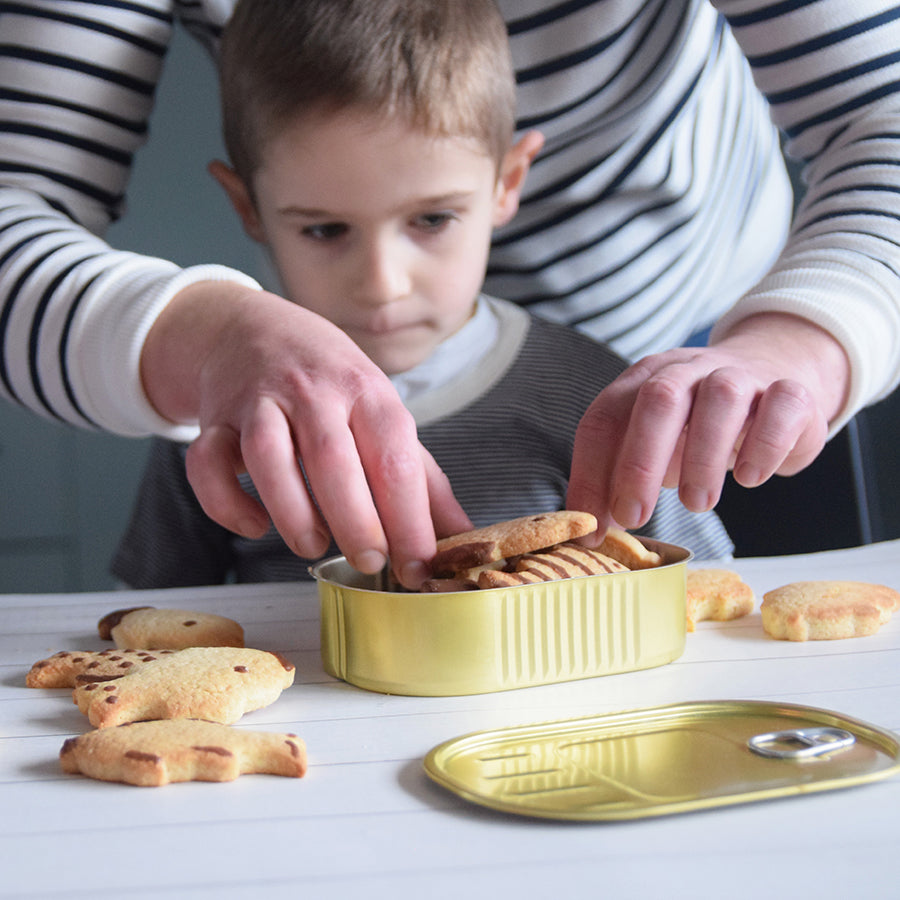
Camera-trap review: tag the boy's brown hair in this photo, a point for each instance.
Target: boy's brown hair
(443, 65)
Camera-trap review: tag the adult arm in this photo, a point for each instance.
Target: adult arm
(819, 336)
(76, 89)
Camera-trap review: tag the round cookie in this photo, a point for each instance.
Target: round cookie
(827, 610)
(526, 534)
(628, 550)
(717, 594)
(148, 628)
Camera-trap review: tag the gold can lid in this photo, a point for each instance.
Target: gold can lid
(664, 760)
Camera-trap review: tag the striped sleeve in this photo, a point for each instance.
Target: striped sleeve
(77, 89)
(831, 72)
(661, 203)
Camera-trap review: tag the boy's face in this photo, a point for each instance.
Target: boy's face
(379, 228)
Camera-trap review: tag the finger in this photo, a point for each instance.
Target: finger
(397, 471)
(659, 416)
(271, 459)
(446, 513)
(786, 434)
(807, 448)
(673, 469)
(597, 440)
(722, 404)
(212, 463)
(340, 484)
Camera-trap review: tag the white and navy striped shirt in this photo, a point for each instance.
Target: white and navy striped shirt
(658, 204)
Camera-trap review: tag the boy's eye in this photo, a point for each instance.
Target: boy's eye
(327, 231)
(434, 221)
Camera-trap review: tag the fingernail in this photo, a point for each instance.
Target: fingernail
(321, 541)
(252, 528)
(696, 499)
(414, 573)
(747, 475)
(370, 561)
(627, 513)
(311, 544)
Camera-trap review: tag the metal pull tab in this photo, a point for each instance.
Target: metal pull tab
(801, 743)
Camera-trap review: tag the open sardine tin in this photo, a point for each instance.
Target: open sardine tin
(475, 642)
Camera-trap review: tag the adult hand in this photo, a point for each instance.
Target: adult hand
(271, 383)
(758, 401)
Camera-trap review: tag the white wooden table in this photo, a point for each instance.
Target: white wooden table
(367, 822)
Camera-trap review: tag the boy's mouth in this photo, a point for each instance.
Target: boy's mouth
(385, 328)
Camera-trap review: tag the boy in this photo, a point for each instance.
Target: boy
(372, 154)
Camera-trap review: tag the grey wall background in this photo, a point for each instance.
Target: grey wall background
(65, 494)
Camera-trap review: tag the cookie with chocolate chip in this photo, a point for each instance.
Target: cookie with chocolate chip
(62, 669)
(215, 683)
(150, 754)
(148, 628)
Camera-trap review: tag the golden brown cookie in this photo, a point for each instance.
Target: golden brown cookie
(628, 550)
(147, 628)
(717, 594)
(564, 561)
(215, 683)
(526, 534)
(464, 580)
(150, 754)
(447, 585)
(62, 669)
(827, 610)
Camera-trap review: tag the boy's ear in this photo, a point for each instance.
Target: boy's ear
(513, 171)
(240, 198)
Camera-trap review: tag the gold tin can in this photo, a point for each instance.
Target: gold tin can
(669, 759)
(475, 642)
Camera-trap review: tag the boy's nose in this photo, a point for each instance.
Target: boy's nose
(384, 275)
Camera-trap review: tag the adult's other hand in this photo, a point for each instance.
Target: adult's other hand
(758, 401)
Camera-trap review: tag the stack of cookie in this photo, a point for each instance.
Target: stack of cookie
(545, 547)
(162, 703)
(531, 549)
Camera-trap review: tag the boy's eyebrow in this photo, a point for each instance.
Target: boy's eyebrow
(315, 213)
(311, 213)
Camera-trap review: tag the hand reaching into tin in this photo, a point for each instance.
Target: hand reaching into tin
(272, 383)
(758, 401)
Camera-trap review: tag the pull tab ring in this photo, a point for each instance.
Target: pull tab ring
(801, 743)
